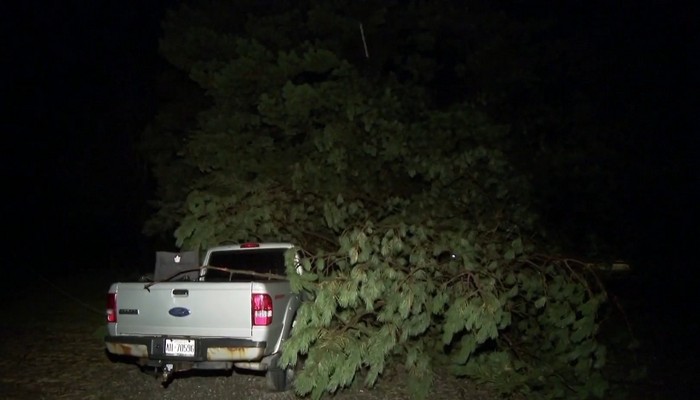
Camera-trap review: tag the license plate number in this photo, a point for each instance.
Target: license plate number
(179, 347)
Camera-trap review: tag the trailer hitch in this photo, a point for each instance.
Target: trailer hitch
(167, 375)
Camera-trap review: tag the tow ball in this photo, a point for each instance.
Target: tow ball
(167, 375)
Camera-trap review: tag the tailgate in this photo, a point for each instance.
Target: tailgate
(217, 309)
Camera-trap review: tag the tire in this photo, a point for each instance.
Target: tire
(278, 379)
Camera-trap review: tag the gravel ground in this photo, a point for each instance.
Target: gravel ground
(72, 365)
(46, 364)
(51, 345)
(52, 349)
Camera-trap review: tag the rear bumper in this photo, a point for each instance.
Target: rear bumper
(206, 349)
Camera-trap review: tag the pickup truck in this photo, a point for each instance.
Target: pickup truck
(236, 312)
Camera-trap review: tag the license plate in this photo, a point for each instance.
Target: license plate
(179, 347)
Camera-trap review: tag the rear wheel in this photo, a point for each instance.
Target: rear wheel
(281, 379)
(278, 379)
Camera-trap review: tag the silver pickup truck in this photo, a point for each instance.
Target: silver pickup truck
(218, 319)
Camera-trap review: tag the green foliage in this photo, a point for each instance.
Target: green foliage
(528, 325)
(356, 162)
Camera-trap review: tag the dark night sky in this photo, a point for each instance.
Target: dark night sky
(81, 84)
(81, 88)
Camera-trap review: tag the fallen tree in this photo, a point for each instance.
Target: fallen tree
(375, 181)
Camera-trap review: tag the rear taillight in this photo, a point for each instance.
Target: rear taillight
(111, 307)
(262, 309)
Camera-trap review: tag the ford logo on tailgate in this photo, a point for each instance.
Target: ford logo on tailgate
(179, 312)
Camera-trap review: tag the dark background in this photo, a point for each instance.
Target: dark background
(78, 93)
(79, 88)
